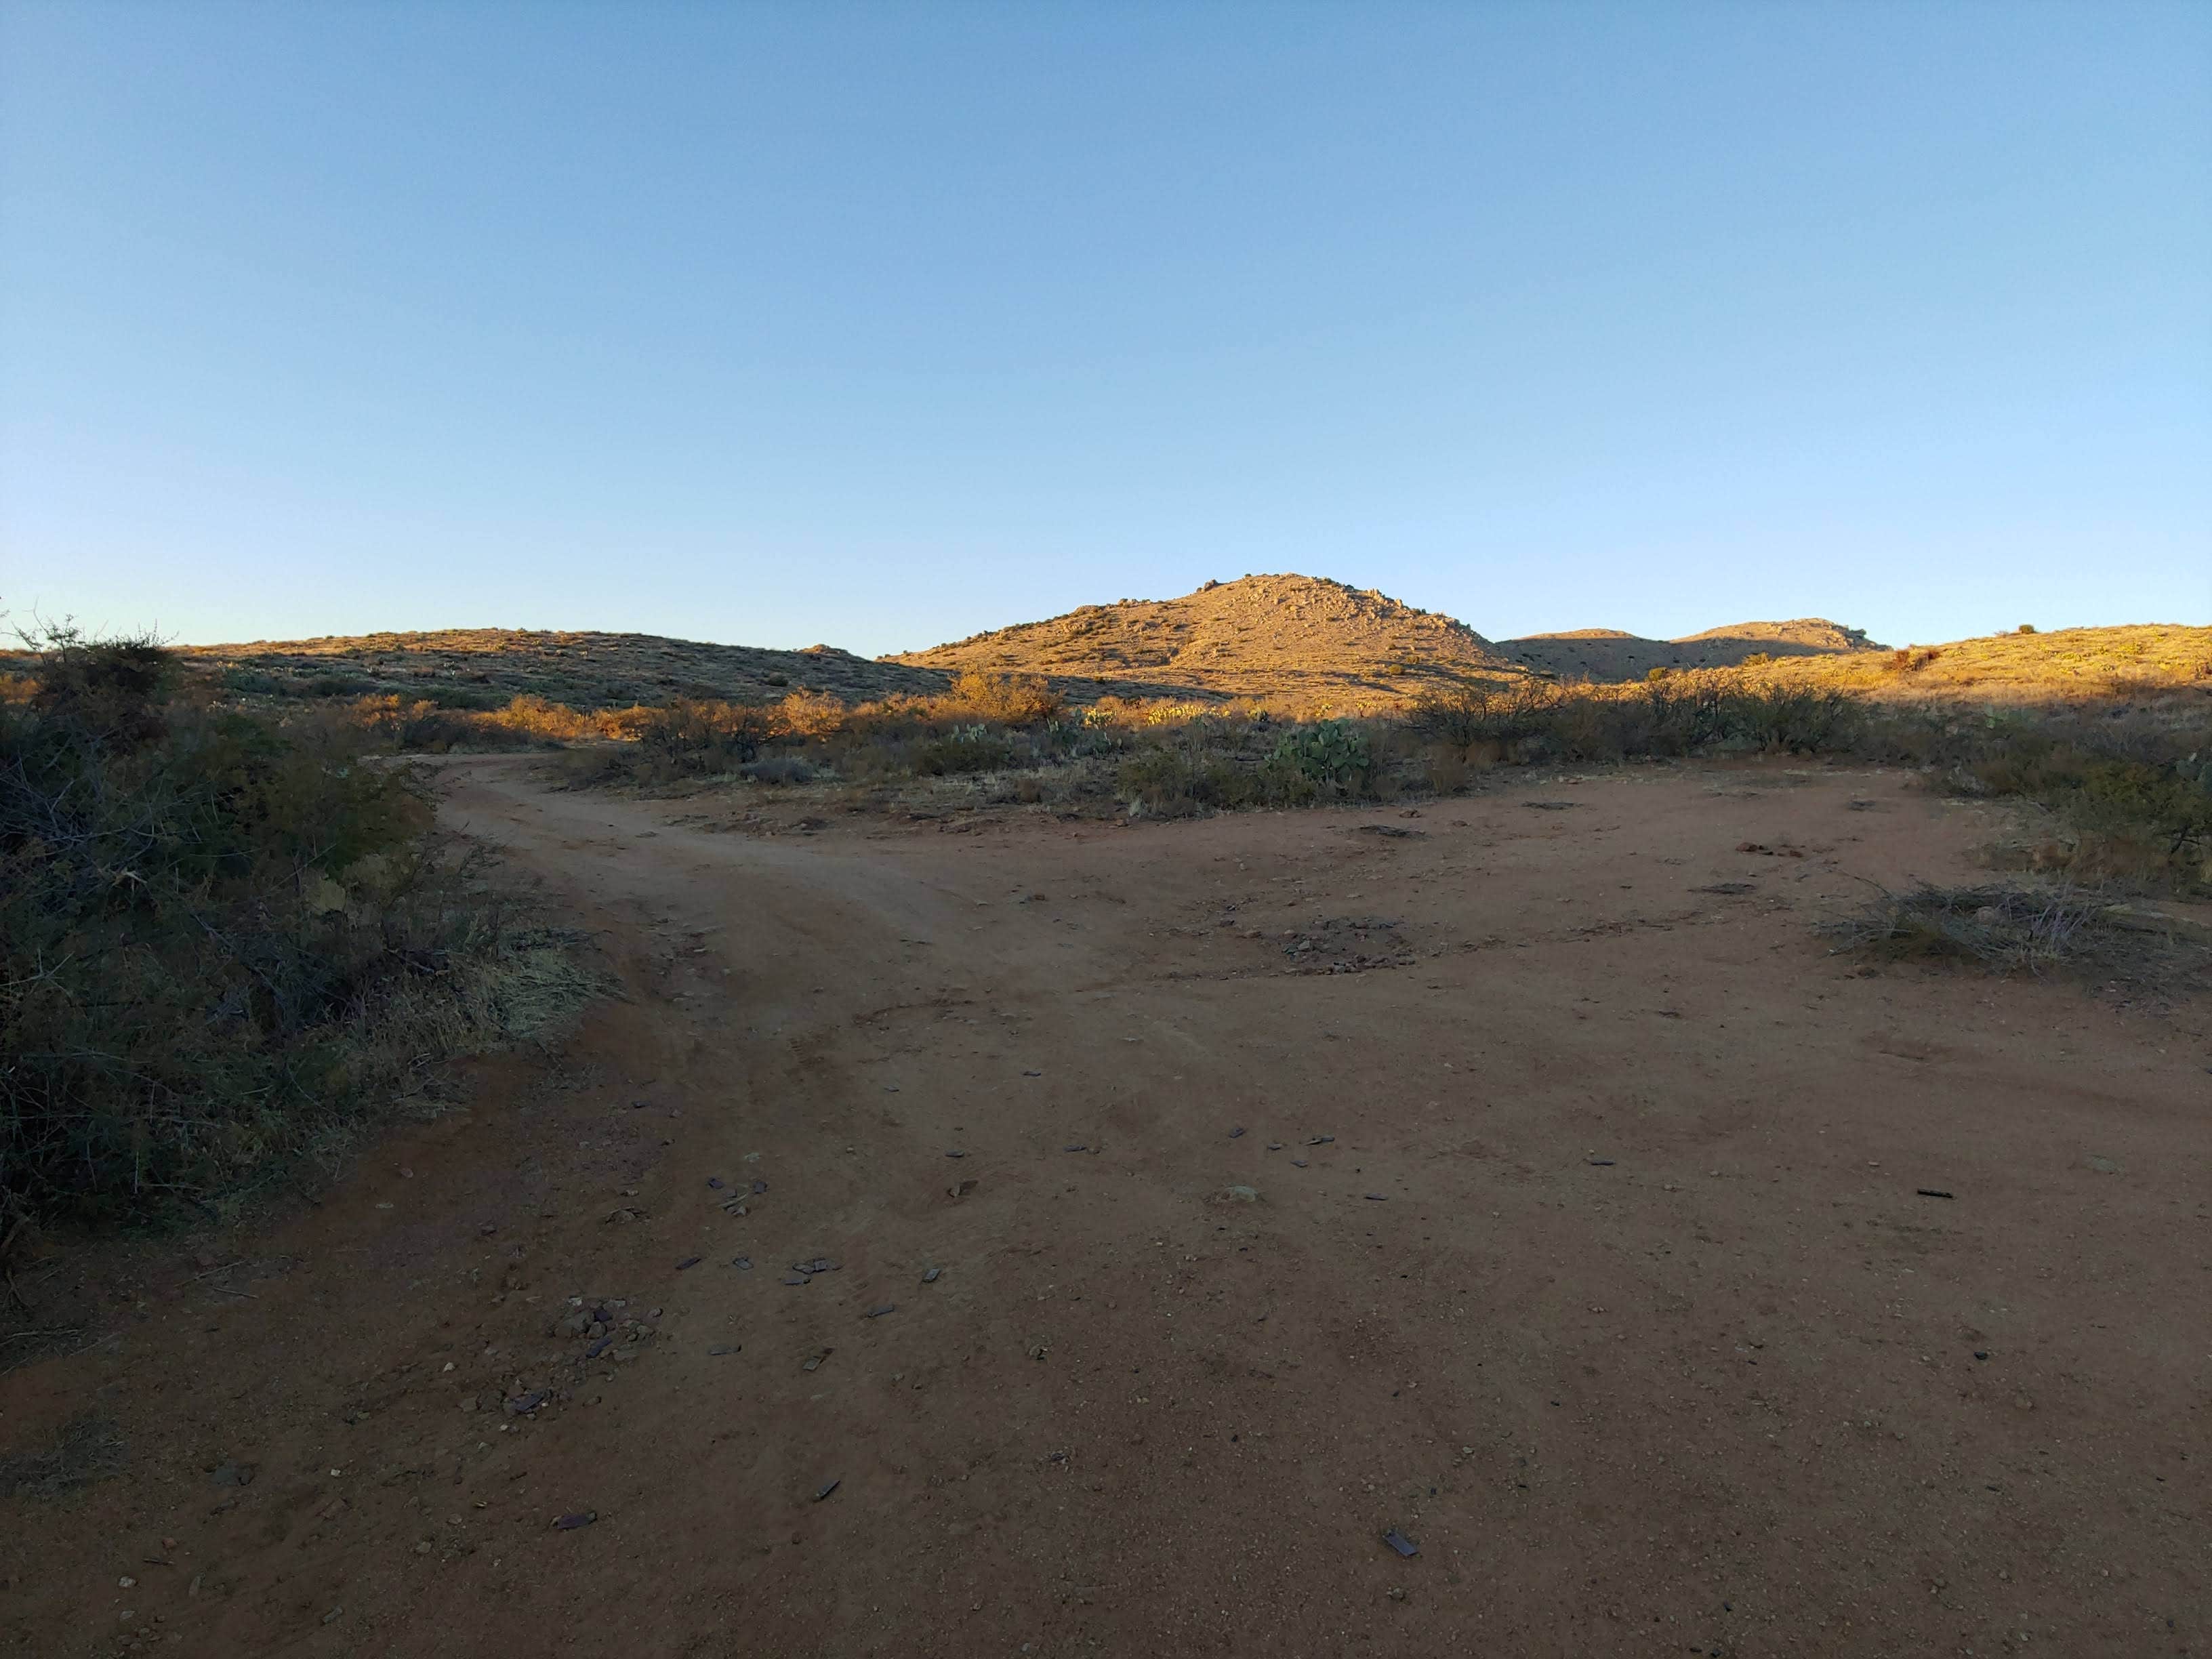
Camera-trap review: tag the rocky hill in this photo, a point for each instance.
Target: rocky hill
(1606, 653)
(1299, 640)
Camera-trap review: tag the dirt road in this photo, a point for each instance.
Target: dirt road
(1519, 1176)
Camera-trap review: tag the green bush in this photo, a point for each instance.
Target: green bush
(964, 749)
(227, 941)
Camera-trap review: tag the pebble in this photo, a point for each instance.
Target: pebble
(1297, 1164)
(1398, 1541)
(1237, 1134)
(929, 1275)
(688, 1261)
(1319, 1141)
(877, 1312)
(743, 1264)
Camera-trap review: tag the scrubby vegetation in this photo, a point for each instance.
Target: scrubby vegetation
(229, 940)
(2014, 928)
(2118, 785)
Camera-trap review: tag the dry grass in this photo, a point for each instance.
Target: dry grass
(2067, 666)
(2027, 929)
(88, 1448)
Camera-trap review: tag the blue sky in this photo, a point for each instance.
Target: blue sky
(880, 326)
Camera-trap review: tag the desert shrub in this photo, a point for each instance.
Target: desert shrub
(688, 738)
(964, 748)
(253, 683)
(779, 769)
(1006, 699)
(1445, 769)
(229, 942)
(336, 684)
(2014, 929)
(808, 715)
(1666, 715)
(1181, 779)
(1469, 714)
(1800, 721)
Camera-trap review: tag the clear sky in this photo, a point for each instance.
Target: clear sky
(881, 325)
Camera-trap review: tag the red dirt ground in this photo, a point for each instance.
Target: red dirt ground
(1614, 1289)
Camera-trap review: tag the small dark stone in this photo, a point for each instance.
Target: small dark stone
(714, 1181)
(1602, 1162)
(760, 1186)
(1319, 1141)
(827, 1490)
(1075, 1146)
(1930, 1192)
(689, 1262)
(743, 1264)
(1235, 1134)
(952, 1152)
(795, 1279)
(580, 1518)
(1377, 1198)
(598, 1347)
(878, 1311)
(930, 1276)
(1398, 1541)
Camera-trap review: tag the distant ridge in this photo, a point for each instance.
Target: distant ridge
(485, 666)
(1607, 654)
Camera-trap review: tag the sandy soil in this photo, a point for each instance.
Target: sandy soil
(1584, 1249)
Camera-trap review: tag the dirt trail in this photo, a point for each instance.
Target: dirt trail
(1584, 1249)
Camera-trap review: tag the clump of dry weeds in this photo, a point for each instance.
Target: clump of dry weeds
(87, 1448)
(2012, 928)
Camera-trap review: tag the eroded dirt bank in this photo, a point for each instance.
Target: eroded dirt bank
(1585, 1248)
